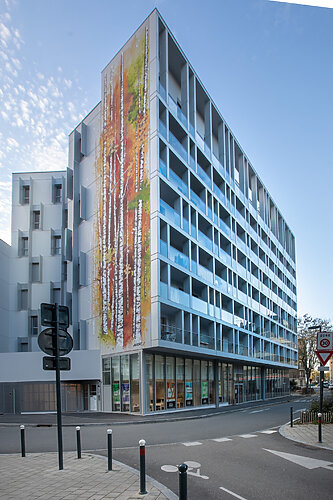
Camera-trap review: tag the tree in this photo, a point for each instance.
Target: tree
(307, 342)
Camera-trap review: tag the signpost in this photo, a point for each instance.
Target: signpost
(56, 342)
(324, 352)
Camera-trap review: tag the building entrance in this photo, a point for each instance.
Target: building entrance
(238, 393)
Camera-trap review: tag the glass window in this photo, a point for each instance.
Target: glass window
(160, 382)
(57, 245)
(36, 219)
(135, 372)
(196, 382)
(58, 193)
(26, 195)
(34, 325)
(106, 366)
(211, 382)
(25, 246)
(188, 383)
(149, 382)
(180, 382)
(170, 382)
(204, 382)
(115, 383)
(125, 386)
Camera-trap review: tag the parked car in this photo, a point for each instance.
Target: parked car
(330, 385)
(325, 384)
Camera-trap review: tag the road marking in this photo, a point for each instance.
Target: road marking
(193, 443)
(307, 462)
(258, 411)
(221, 440)
(247, 436)
(232, 493)
(191, 466)
(269, 431)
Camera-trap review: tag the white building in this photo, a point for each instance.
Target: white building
(180, 267)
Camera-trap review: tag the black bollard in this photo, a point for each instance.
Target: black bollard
(109, 431)
(22, 441)
(142, 444)
(291, 417)
(319, 428)
(78, 441)
(182, 469)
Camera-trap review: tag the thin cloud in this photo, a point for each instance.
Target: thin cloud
(311, 3)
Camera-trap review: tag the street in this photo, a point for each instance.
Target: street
(237, 454)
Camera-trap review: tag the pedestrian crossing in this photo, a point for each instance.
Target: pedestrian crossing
(226, 439)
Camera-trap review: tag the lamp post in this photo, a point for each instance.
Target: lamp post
(321, 389)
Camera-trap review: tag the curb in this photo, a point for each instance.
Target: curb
(167, 418)
(313, 445)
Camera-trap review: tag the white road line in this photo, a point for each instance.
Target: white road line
(221, 440)
(247, 436)
(267, 432)
(193, 443)
(232, 493)
(259, 411)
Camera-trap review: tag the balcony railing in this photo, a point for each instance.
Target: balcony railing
(171, 333)
(169, 212)
(177, 146)
(179, 258)
(178, 182)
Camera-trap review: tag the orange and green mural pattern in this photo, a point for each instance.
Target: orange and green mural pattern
(122, 229)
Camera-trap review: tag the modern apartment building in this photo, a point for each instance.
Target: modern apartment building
(176, 263)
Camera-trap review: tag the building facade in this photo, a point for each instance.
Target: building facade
(180, 269)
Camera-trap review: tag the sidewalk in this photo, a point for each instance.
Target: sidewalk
(37, 477)
(308, 434)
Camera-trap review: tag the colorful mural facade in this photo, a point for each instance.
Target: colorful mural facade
(122, 230)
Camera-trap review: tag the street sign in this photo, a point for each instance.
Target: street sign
(325, 341)
(49, 363)
(48, 315)
(47, 342)
(324, 368)
(323, 356)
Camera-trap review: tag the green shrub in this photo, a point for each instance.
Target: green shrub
(327, 404)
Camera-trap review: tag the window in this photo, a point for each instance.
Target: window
(57, 193)
(26, 194)
(36, 219)
(35, 272)
(23, 299)
(57, 245)
(34, 325)
(24, 246)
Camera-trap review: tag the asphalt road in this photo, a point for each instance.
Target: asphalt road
(237, 454)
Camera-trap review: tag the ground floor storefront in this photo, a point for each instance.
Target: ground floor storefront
(148, 382)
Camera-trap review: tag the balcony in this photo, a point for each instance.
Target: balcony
(163, 168)
(177, 146)
(205, 273)
(198, 201)
(171, 333)
(169, 212)
(178, 296)
(179, 258)
(204, 240)
(178, 182)
(162, 129)
(207, 341)
(203, 175)
(199, 305)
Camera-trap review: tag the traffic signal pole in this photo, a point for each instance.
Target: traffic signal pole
(58, 392)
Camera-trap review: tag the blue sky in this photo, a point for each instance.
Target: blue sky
(267, 65)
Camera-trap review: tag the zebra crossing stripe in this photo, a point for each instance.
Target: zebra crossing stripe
(193, 443)
(221, 440)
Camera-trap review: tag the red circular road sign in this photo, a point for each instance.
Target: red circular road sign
(324, 343)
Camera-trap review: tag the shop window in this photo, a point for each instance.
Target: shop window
(160, 382)
(170, 382)
(149, 382)
(188, 383)
(116, 384)
(135, 373)
(180, 382)
(204, 382)
(125, 385)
